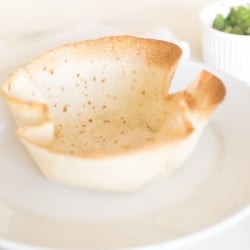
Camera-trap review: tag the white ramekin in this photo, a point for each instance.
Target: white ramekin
(227, 52)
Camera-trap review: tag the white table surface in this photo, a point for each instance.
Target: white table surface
(26, 20)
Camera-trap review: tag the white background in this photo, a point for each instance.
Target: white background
(28, 19)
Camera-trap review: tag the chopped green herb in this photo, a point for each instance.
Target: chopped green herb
(236, 22)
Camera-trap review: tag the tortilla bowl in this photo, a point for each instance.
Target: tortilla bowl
(97, 114)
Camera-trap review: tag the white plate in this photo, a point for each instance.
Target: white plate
(208, 193)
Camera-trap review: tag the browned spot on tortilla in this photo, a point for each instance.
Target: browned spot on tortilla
(65, 108)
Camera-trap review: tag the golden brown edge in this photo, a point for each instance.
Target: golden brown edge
(204, 76)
